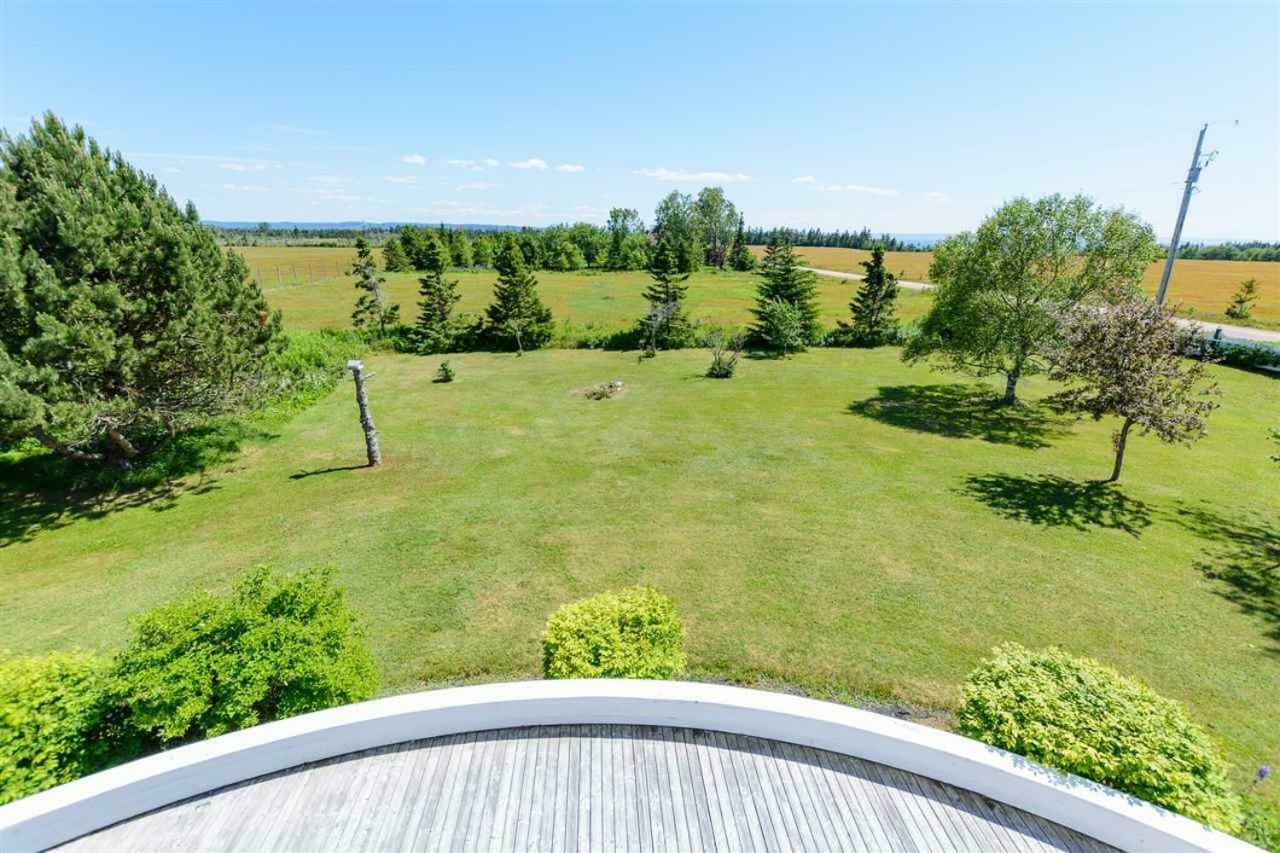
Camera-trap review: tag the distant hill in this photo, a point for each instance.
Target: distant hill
(352, 225)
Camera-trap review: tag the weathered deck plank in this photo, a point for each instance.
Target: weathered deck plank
(590, 788)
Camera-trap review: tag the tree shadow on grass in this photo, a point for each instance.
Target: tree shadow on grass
(1058, 502)
(1244, 561)
(41, 491)
(962, 411)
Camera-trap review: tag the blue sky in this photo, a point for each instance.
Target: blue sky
(908, 118)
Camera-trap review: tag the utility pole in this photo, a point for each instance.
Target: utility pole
(366, 420)
(1193, 174)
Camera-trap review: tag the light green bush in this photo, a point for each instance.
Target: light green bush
(634, 633)
(49, 708)
(275, 647)
(1080, 716)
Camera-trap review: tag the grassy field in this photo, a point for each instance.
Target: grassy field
(1204, 288)
(613, 300)
(836, 521)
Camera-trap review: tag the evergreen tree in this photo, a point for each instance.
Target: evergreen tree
(373, 308)
(874, 323)
(461, 250)
(740, 257)
(122, 321)
(436, 329)
(393, 257)
(517, 319)
(785, 279)
(665, 325)
(482, 251)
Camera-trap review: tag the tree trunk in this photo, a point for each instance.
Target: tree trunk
(372, 450)
(1121, 438)
(1010, 388)
(62, 450)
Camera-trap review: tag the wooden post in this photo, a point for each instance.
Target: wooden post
(366, 420)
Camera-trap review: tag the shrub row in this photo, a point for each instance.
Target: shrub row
(194, 668)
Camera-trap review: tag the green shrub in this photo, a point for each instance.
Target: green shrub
(634, 633)
(781, 327)
(274, 647)
(445, 372)
(1080, 716)
(309, 366)
(49, 709)
(1261, 823)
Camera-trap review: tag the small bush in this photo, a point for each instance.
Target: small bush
(634, 633)
(444, 373)
(50, 708)
(726, 347)
(782, 327)
(309, 366)
(208, 664)
(604, 391)
(1080, 716)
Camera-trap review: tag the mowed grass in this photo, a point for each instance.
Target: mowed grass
(836, 521)
(1202, 288)
(609, 300)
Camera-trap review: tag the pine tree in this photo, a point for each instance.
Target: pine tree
(436, 329)
(393, 257)
(740, 257)
(1241, 307)
(461, 250)
(873, 323)
(786, 280)
(666, 325)
(373, 309)
(517, 318)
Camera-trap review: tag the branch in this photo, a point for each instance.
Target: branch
(63, 450)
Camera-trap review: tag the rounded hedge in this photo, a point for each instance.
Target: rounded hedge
(1083, 717)
(49, 707)
(634, 633)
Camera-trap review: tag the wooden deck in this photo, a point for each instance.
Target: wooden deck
(590, 787)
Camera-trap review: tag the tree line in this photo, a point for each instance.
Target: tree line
(838, 239)
(1254, 250)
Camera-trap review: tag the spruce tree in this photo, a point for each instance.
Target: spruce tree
(740, 257)
(393, 257)
(436, 330)
(373, 309)
(784, 279)
(461, 250)
(874, 323)
(517, 319)
(665, 325)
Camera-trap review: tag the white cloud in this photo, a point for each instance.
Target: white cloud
(680, 175)
(856, 188)
(531, 163)
(246, 165)
(414, 159)
(401, 179)
(475, 185)
(804, 179)
(570, 167)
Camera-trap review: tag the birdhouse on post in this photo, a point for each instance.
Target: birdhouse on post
(366, 419)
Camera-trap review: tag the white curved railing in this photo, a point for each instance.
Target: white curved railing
(97, 801)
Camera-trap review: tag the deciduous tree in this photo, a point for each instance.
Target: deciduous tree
(1000, 290)
(676, 217)
(1128, 360)
(716, 217)
(121, 319)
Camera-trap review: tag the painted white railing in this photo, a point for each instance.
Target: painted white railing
(97, 801)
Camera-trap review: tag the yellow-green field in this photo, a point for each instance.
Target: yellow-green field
(1202, 287)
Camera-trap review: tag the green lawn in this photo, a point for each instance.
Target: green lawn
(607, 299)
(837, 521)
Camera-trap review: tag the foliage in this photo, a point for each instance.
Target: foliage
(780, 327)
(666, 325)
(1261, 825)
(716, 217)
(740, 257)
(726, 347)
(1085, 718)
(1128, 360)
(676, 218)
(50, 712)
(785, 279)
(445, 372)
(393, 257)
(634, 633)
(122, 322)
(373, 311)
(207, 664)
(517, 319)
(873, 323)
(1247, 355)
(436, 329)
(836, 239)
(460, 249)
(604, 391)
(627, 247)
(998, 291)
(1254, 250)
(1241, 307)
(308, 366)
